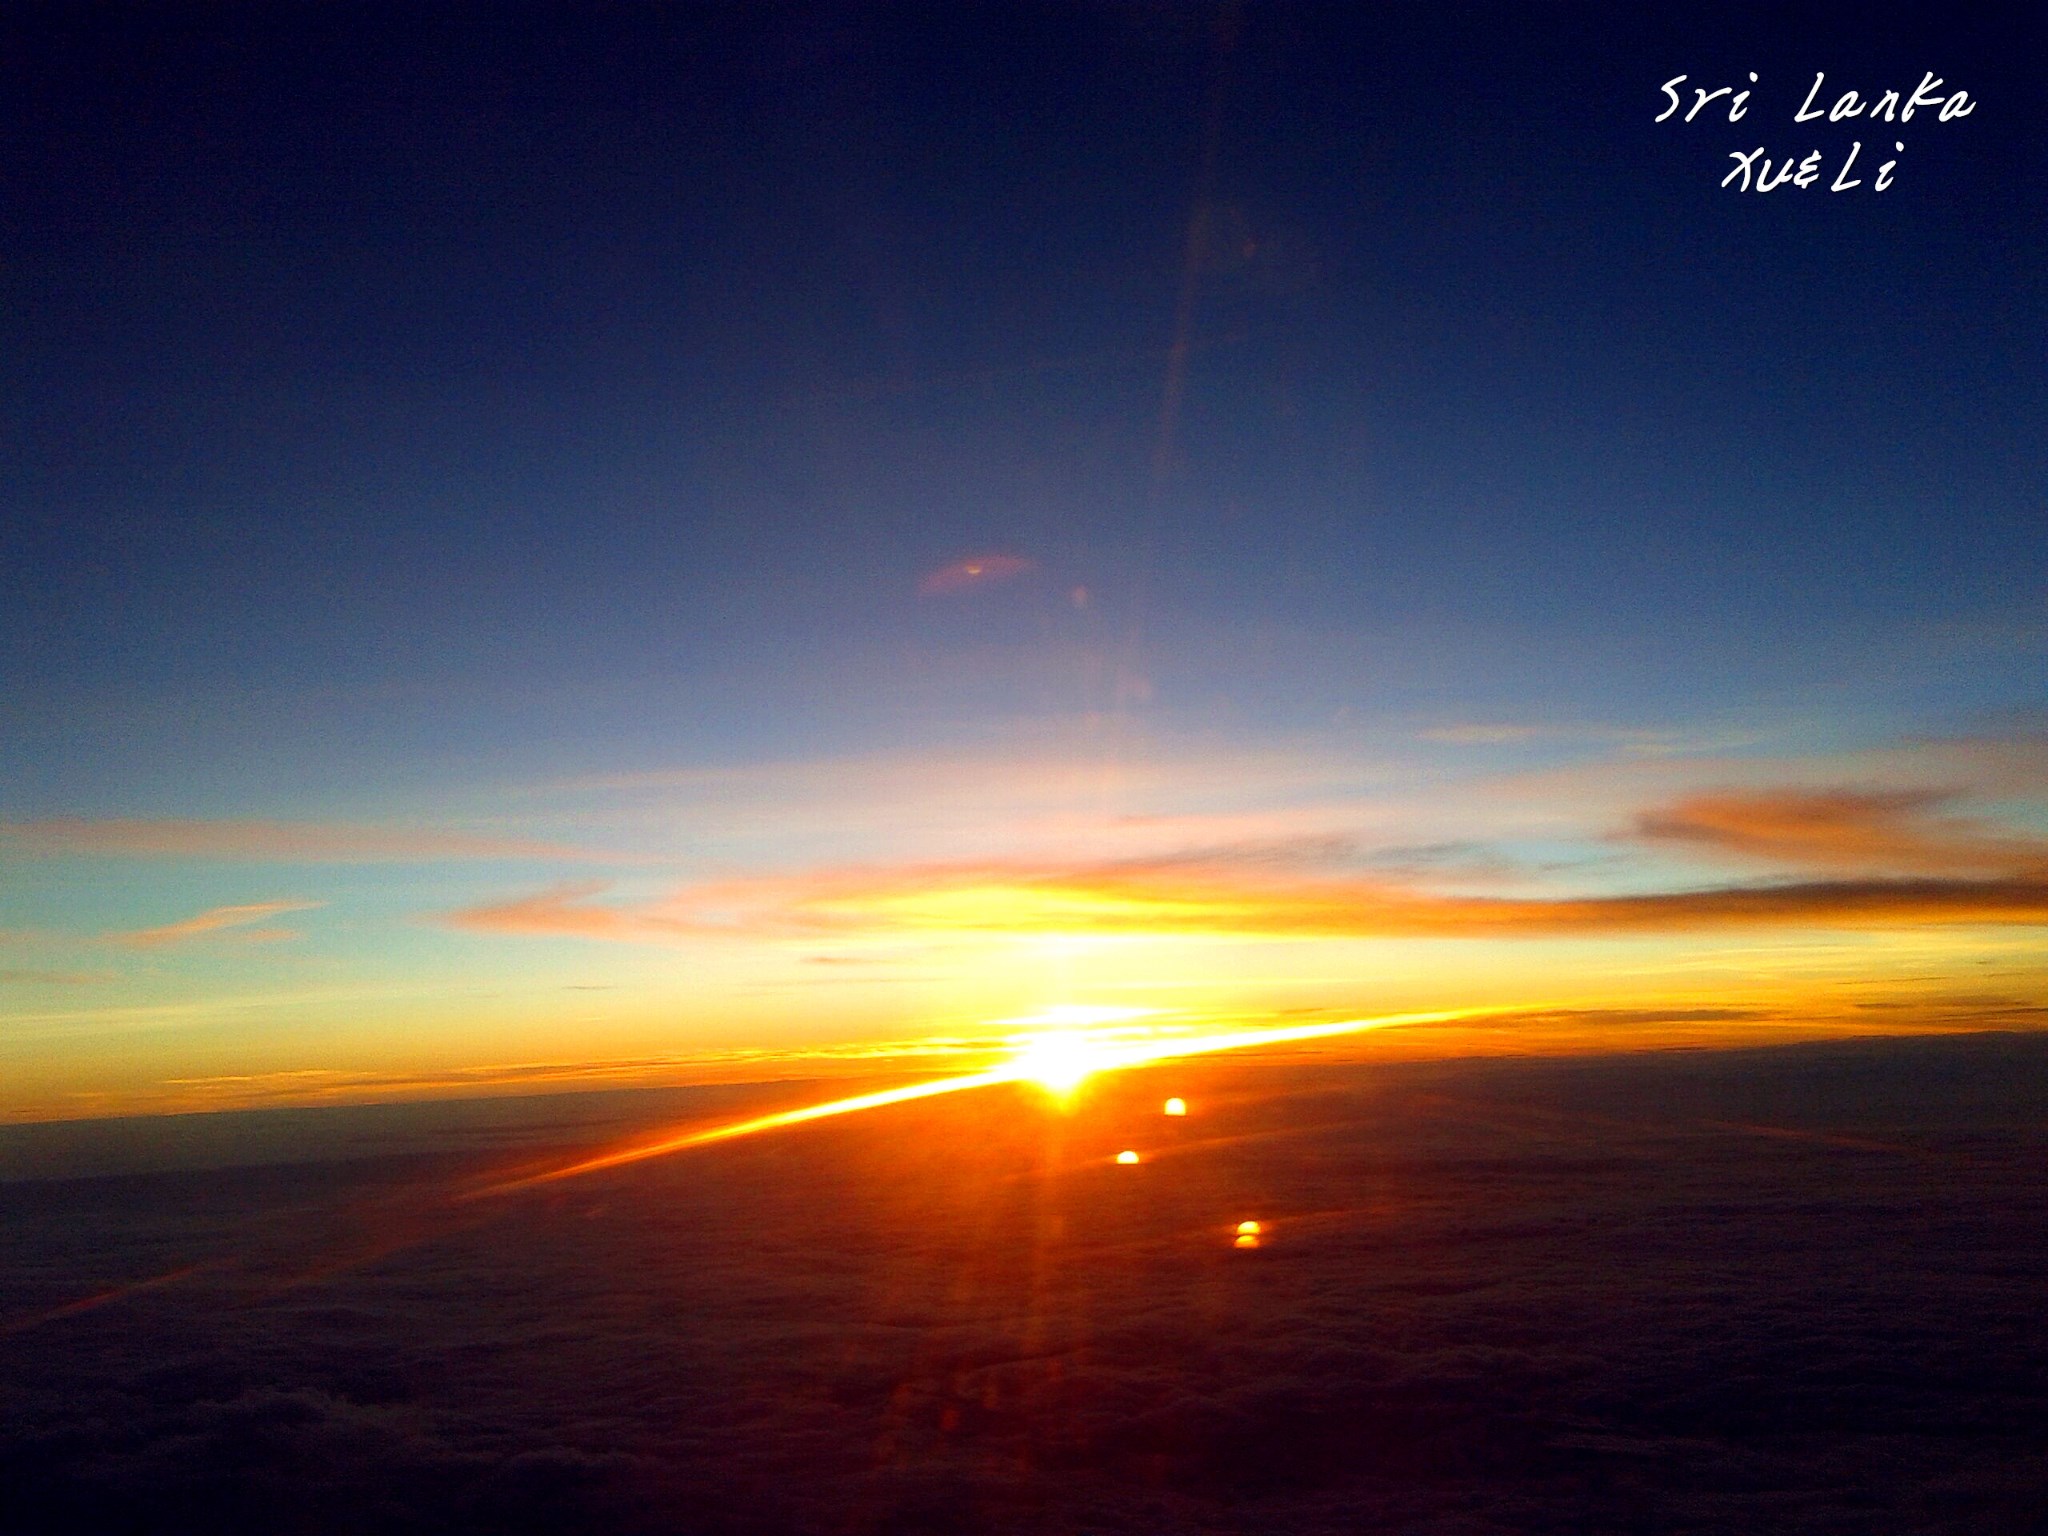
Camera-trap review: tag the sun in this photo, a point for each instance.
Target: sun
(1079, 1043)
(1059, 1063)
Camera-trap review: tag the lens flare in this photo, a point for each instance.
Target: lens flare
(1059, 1060)
(1176, 1107)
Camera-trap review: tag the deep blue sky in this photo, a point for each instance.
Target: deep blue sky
(380, 389)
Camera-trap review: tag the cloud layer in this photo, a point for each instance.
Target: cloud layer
(1868, 861)
(1704, 1292)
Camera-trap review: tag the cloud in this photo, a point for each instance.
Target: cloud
(1078, 795)
(562, 911)
(238, 919)
(1991, 768)
(974, 571)
(1632, 741)
(692, 1069)
(281, 841)
(1222, 901)
(956, 1316)
(1304, 842)
(1234, 898)
(1844, 829)
(1481, 735)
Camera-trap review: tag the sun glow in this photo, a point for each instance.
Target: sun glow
(1058, 1059)
(1059, 1063)
(1081, 1041)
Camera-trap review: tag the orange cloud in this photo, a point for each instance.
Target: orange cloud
(281, 841)
(1163, 900)
(217, 920)
(1843, 829)
(1238, 899)
(562, 911)
(975, 571)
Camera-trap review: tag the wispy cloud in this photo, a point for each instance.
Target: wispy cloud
(1991, 768)
(1480, 734)
(1631, 741)
(313, 1085)
(1093, 797)
(1845, 829)
(1241, 899)
(278, 841)
(1234, 901)
(565, 911)
(241, 920)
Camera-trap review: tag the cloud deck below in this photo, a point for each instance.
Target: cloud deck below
(1792, 1289)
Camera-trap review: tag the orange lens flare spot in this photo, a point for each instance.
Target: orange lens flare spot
(1176, 1106)
(1245, 1240)
(1249, 1229)
(1127, 1157)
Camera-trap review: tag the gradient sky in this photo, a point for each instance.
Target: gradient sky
(607, 544)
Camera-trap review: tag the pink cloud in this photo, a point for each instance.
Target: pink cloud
(239, 919)
(974, 571)
(564, 911)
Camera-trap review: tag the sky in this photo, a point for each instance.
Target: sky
(576, 546)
